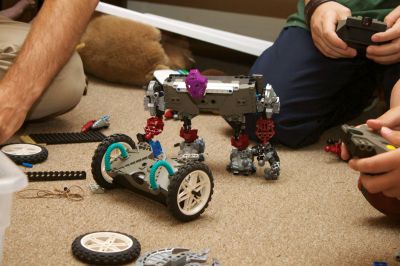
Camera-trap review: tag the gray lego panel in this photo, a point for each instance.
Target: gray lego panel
(137, 166)
(174, 257)
(222, 94)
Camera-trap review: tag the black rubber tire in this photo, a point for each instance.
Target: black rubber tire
(38, 157)
(105, 258)
(99, 154)
(173, 188)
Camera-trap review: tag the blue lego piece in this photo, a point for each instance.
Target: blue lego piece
(380, 263)
(156, 148)
(28, 165)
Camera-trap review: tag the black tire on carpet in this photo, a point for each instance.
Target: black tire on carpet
(25, 153)
(106, 248)
(97, 161)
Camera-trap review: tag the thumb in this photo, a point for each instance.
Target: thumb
(391, 136)
(389, 119)
(374, 124)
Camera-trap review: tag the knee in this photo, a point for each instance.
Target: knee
(297, 136)
(64, 93)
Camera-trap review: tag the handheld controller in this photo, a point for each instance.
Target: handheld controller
(357, 31)
(361, 143)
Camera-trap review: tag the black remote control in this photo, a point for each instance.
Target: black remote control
(357, 31)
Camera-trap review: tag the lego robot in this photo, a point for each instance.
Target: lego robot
(189, 94)
(185, 184)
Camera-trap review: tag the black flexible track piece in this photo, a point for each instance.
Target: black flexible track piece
(70, 137)
(55, 175)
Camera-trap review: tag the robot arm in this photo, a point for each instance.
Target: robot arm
(269, 102)
(154, 99)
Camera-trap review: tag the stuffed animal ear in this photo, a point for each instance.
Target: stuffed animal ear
(121, 50)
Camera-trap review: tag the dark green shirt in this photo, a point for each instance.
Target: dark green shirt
(370, 8)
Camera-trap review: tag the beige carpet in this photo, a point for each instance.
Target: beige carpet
(313, 215)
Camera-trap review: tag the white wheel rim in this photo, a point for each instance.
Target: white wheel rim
(106, 242)
(21, 149)
(193, 192)
(113, 156)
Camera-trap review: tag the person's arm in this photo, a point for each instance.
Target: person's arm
(387, 53)
(323, 24)
(385, 166)
(48, 46)
(395, 96)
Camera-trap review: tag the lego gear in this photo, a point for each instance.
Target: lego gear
(66, 138)
(21, 153)
(99, 172)
(241, 142)
(334, 146)
(102, 122)
(191, 150)
(241, 162)
(189, 135)
(176, 257)
(55, 175)
(189, 191)
(196, 84)
(169, 114)
(87, 126)
(265, 129)
(106, 248)
(266, 152)
(154, 127)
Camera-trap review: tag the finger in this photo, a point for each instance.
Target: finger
(385, 60)
(381, 163)
(390, 34)
(331, 39)
(383, 50)
(392, 17)
(325, 49)
(379, 183)
(391, 118)
(393, 192)
(374, 124)
(391, 136)
(344, 153)
(328, 30)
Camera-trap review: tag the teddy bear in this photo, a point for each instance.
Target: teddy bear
(128, 52)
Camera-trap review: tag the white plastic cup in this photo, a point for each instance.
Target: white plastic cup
(12, 179)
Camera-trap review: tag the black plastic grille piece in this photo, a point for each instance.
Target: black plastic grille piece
(55, 175)
(70, 137)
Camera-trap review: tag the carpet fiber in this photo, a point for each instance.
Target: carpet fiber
(313, 215)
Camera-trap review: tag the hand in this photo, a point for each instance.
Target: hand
(323, 30)
(12, 112)
(384, 166)
(387, 53)
(390, 119)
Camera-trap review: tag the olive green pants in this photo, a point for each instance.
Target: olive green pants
(65, 91)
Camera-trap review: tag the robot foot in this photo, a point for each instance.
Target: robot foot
(270, 174)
